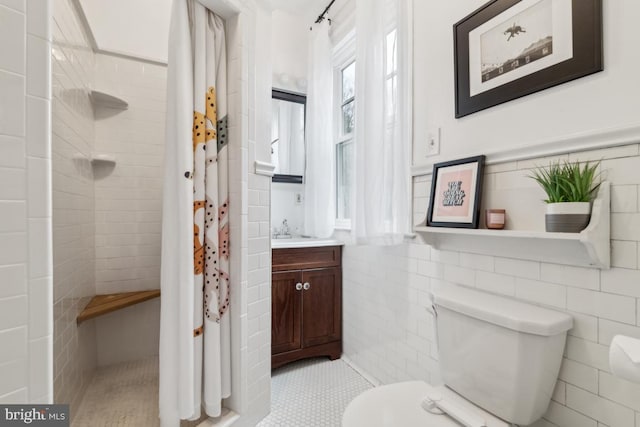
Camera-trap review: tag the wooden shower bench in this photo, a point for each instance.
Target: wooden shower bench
(104, 304)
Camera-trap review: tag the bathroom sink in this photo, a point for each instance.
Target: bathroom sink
(303, 242)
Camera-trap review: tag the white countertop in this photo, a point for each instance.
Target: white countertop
(304, 242)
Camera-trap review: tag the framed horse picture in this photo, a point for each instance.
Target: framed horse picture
(511, 48)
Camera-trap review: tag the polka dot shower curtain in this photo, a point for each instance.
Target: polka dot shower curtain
(195, 368)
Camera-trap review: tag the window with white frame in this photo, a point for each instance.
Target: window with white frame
(344, 142)
(344, 122)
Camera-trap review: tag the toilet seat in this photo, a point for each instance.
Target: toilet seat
(400, 404)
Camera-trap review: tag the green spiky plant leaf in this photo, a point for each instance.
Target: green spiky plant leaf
(568, 182)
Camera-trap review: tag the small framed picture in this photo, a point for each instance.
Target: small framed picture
(456, 191)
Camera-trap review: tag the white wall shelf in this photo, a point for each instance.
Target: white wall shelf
(102, 165)
(102, 99)
(590, 248)
(103, 160)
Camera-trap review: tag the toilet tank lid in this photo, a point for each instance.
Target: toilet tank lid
(505, 312)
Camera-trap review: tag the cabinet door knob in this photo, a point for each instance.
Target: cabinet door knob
(298, 286)
(306, 286)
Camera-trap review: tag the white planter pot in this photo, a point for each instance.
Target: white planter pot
(570, 217)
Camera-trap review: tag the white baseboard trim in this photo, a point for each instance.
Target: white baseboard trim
(264, 168)
(568, 144)
(372, 380)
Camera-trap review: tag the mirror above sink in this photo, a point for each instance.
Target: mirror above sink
(287, 136)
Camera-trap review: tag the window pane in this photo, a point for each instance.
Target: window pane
(392, 62)
(390, 99)
(348, 118)
(349, 82)
(344, 157)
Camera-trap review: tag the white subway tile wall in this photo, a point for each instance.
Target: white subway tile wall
(389, 334)
(129, 334)
(128, 203)
(26, 323)
(253, 105)
(73, 204)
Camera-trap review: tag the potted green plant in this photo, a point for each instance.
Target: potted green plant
(570, 188)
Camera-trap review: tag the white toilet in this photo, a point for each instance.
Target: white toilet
(499, 359)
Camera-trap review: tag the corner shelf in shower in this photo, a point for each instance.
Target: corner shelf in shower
(589, 248)
(104, 304)
(102, 99)
(103, 159)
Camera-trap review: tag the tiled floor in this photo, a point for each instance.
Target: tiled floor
(122, 395)
(312, 393)
(309, 393)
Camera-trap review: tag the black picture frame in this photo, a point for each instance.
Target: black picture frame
(476, 163)
(287, 179)
(587, 56)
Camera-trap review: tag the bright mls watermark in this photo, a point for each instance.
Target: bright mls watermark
(34, 415)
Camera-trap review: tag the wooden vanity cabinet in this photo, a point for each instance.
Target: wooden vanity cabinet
(306, 304)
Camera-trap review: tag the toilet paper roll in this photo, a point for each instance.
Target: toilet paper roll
(624, 358)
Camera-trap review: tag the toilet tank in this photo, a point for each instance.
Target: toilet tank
(501, 354)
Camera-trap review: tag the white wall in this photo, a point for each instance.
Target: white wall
(289, 47)
(26, 290)
(73, 205)
(284, 206)
(604, 100)
(343, 20)
(143, 27)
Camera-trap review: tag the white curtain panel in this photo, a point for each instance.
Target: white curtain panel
(381, 207)
(320, 211)
(195, 368)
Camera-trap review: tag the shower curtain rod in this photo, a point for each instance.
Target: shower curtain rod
(326, 10)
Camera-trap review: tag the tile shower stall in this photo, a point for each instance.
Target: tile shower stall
(105, 217)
